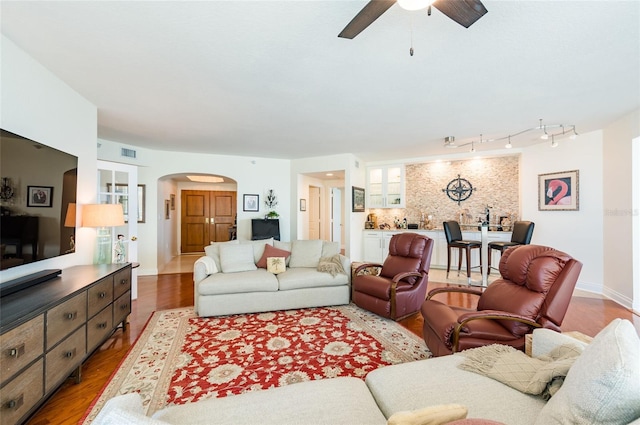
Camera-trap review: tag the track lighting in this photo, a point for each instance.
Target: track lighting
(545, 136)
(574, 135)
(509, 145)
(554, 144)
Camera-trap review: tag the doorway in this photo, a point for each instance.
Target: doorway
(205, 217)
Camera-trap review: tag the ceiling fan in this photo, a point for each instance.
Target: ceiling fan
(464, 12)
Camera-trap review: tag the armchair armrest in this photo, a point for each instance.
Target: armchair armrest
(458, 289)
(397, 278)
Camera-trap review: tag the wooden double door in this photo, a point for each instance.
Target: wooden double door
(206, 217)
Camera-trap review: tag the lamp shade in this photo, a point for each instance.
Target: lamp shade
(102, 215)
(70, 218)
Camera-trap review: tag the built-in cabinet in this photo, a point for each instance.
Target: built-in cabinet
(48, 331)
(376, 246)
(385, 187)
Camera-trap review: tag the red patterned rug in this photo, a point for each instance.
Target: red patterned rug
(182, 358)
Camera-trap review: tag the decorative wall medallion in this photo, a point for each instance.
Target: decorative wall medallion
(459, 189)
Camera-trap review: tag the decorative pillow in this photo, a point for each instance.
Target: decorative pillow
(236, 258)
(270, 251)
(276, 265)
(433, 415)
(331, 265)
(305, 253)
(258, 247)
(213, 250)
(603, 385)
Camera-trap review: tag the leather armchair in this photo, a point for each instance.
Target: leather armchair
(534, 291)
(400, 287)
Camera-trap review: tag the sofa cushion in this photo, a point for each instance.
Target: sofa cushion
(603, 385)
(236, 258)
(285, 246)
(259, 280)
(333, 401)
(305, 253)
(258, 247)
(307, 277)
(330, 248)
(271, 251)
(432, 415)
(213, 250)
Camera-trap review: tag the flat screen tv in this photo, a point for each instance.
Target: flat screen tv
(265, 229)
(37, 201)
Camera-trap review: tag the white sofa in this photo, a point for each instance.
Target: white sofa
(229, 279)
(602, 386)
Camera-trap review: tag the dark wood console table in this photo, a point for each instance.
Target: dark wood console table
(20, 230)
(48, 330)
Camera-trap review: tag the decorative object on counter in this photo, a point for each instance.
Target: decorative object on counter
(459, 189)
(250, 202)
(384, 226)
(357, 197)
(6, 190)
(558, 191)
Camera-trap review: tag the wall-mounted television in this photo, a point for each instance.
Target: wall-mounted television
(38, 186)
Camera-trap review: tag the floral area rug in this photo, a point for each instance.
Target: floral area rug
(182, 358)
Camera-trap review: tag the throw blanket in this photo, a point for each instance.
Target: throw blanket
(541, 375)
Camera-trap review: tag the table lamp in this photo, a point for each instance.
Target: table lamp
(103, 217)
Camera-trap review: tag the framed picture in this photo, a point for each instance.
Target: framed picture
(121, 192)
(172, 198)
(167, 209)
(357, 195)
(250, 202)
(40, 196)
(303, 204)
(558, 191)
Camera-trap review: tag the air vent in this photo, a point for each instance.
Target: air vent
(129, 153)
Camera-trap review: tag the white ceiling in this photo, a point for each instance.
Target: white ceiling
(272, 79)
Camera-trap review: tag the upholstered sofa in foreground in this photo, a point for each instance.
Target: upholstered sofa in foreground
(234, 277)
(601, 387)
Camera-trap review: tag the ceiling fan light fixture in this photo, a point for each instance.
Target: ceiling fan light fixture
(414, 4)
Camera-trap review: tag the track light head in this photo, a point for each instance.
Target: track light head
(554, 144)
(508, 145)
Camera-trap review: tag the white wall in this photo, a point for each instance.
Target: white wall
(578, 233)
(39, 106)
(253, 175)
(618, 208)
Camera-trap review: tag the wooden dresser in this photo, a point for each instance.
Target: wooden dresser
(48, 330)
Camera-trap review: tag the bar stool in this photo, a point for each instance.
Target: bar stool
(522, 232)
(454, 240)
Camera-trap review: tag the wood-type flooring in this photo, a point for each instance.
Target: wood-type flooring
(69, 403)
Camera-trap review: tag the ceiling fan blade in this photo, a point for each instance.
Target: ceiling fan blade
(464, 12)
(365, 17)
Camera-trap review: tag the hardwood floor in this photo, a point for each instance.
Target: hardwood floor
(68, 405)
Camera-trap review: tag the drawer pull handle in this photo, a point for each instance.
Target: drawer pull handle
(102, 294)
(70, 354)
(123, 282)
(124, 306)
(102, 325)
(16, 351)
(71, 316)
(15, 403)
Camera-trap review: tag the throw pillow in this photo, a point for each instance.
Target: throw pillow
(331, 265)
(258, 247)
(236, 258)
(603, 385)
(305, 253)
(213, 250)
(276, 265)
(270, 251)
(433, 415)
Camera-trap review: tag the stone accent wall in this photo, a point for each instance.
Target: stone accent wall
(495, 182)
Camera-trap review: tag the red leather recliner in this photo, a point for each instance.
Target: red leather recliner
(534, 291)
(400, 287)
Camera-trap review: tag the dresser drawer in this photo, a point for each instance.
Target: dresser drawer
(21, 394)
(20, 346)
(100, 295)
(63, 359)
(65, 318)
(121, 282)
(98, 328)
(121, 308)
